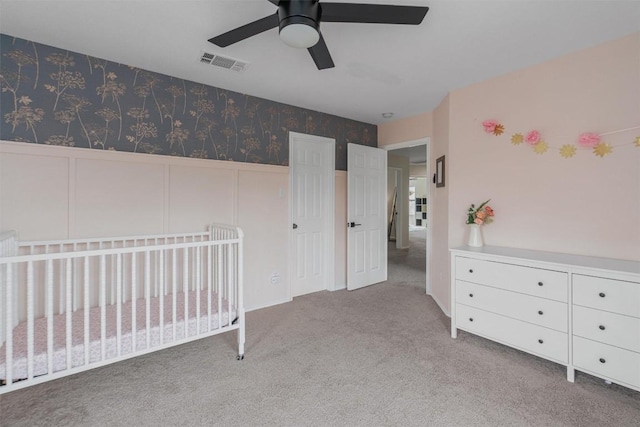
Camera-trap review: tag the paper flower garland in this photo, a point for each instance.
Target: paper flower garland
(540, 147)
(602, 149)
(586, 140)
(567, 151)
(533, 137)
(491, 126)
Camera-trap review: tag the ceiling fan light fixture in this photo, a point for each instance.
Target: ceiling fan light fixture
(299, 23)
(299, 31)
(300, 35)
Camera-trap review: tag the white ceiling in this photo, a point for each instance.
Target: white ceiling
(406, 70)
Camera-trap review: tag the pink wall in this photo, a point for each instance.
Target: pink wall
(408, 129)
(439, 274)
(583, 205)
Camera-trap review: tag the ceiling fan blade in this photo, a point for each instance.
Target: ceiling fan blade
(246, 31)
(320, 54)
(372, 13)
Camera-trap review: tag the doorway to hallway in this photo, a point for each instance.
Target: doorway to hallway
(409, 266)
(409, 255)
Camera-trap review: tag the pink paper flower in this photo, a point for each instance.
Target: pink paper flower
(589, 140)
(478, 221)
(489, 125)
(532, 137)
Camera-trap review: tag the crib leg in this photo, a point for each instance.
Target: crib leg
(241, 335)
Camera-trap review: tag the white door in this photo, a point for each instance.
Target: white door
(366, 216)
(312, 161)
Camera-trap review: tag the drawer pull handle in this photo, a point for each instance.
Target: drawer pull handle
(470, 319)
(470, 270)
(541, 341)
(602, 328)
(540, 283)
(471, 295)
(540, 312)
(602, 360)
(602, 294)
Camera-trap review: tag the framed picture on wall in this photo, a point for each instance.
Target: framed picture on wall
(439, 177)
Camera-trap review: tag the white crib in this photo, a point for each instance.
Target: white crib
(72, 305)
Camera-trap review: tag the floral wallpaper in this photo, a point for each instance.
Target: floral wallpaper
(56, 97)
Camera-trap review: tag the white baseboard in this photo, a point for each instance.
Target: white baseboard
(267, 305)
(442, 307)
(339, 287)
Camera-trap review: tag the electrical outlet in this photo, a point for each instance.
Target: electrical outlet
(275, 278)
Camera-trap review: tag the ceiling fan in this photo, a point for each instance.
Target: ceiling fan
(299, 23)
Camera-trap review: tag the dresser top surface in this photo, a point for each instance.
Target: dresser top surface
(617, 265)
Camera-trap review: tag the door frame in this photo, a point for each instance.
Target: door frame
(329, 210)
(414, 143)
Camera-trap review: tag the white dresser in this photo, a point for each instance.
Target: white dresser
(581, 312)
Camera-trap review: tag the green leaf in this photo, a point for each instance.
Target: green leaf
(482, 205)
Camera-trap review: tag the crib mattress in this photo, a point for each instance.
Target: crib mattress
(145, 338)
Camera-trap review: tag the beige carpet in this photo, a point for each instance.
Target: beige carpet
(380, 356)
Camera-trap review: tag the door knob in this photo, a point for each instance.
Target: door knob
(295, 226)
(352, 224)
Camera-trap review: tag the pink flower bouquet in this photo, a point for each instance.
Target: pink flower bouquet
(483, 214)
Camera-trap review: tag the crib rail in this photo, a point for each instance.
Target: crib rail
(87, 303)
(74, 245)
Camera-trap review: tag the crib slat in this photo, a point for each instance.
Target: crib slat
(198, 283)
(161, 277)
(147, 294)
(157, 271)
(30, 319)
(220, 266)
(103, 307)
(185, 289)
(134, 285)
(174, 270)
(112, 290)
(209, 284)
(76, 297)
(87, 308)
(49, 307)
(9, 325)
(68, 312)
(230, 274)
(60, 287)
(119, 304)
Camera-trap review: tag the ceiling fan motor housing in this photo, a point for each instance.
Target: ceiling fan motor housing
(300, 13)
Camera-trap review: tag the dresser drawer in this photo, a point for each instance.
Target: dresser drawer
(608, 328)
(540, 311)
(608, 361)
(534, 339)
(607, 294)
(532, 281)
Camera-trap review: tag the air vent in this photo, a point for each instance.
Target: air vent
(223, 61)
